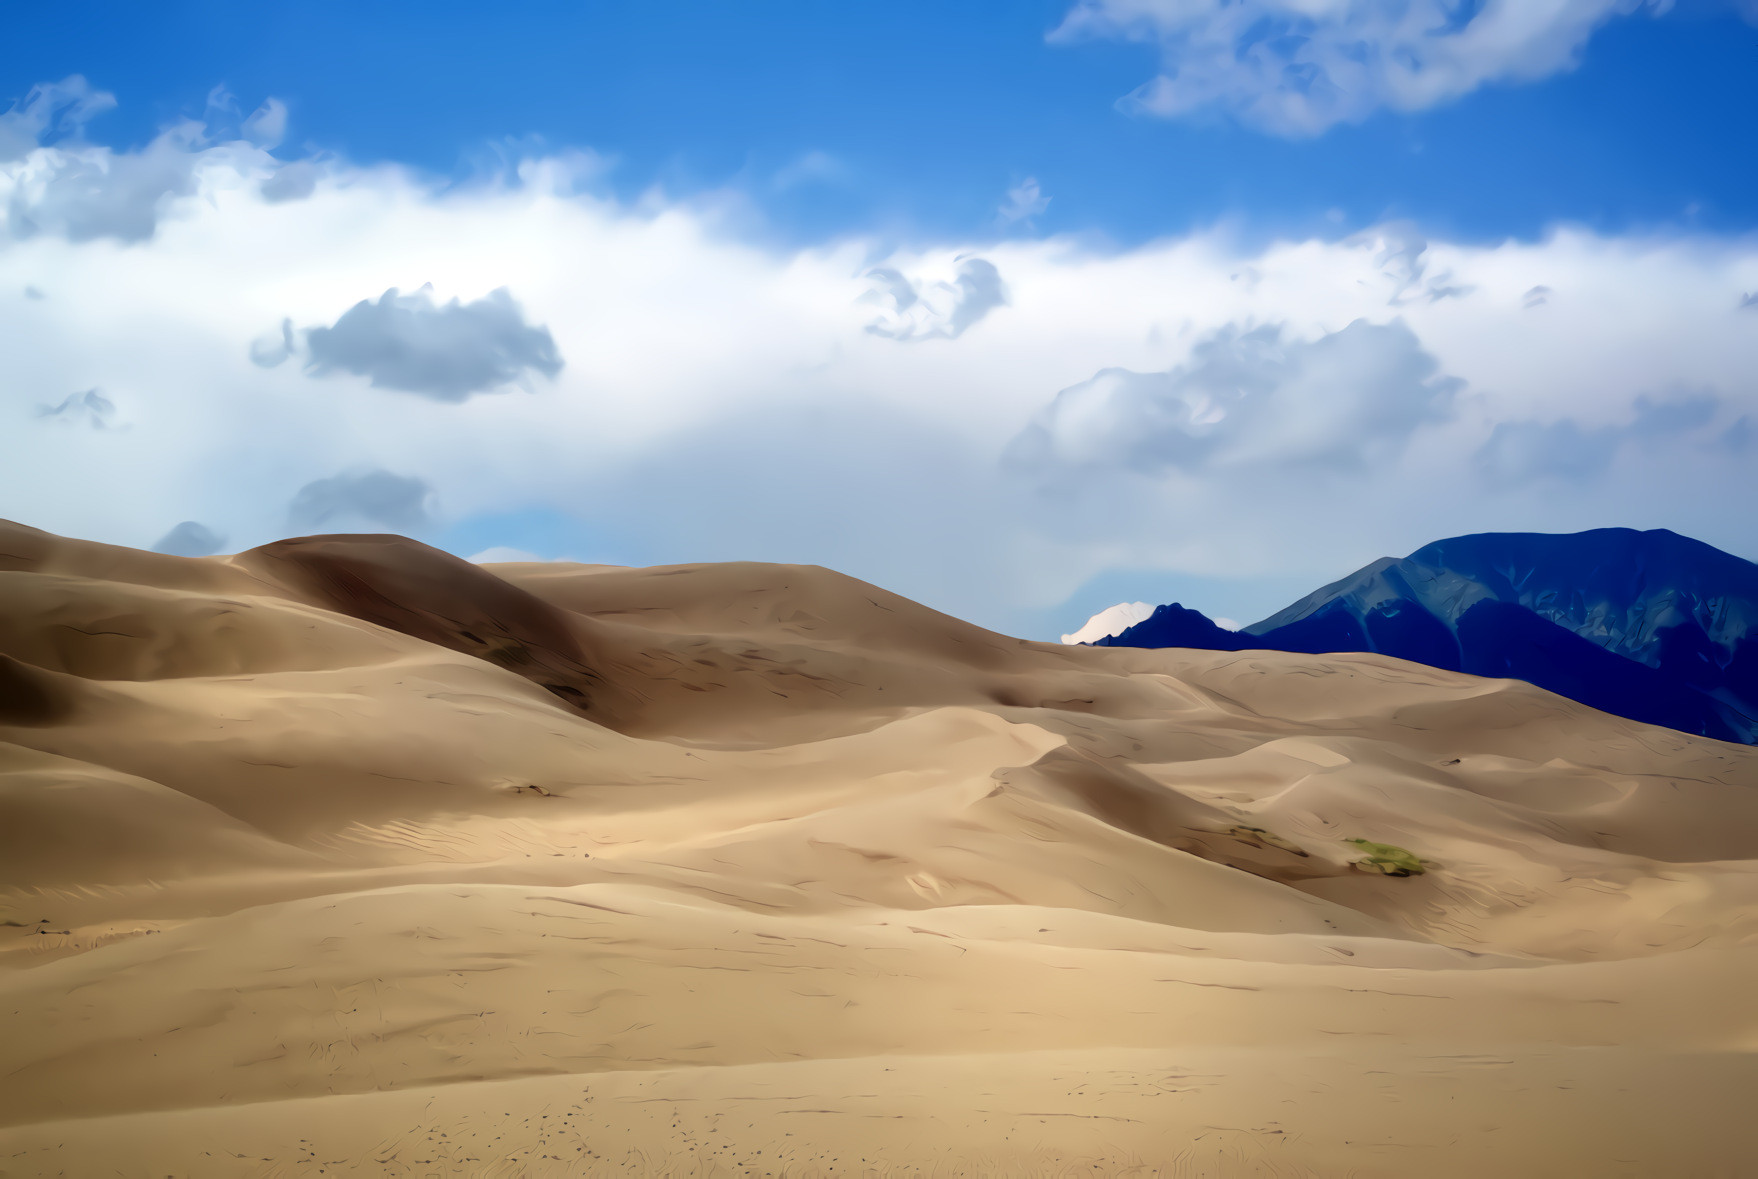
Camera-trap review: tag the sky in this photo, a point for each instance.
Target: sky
(1020, 309)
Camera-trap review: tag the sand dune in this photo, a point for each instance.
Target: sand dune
(344, 854)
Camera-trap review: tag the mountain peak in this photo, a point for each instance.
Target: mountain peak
(1650, 625)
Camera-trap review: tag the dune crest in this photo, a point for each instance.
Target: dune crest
(343, 852)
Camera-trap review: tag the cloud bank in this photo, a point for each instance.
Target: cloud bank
(985, 425)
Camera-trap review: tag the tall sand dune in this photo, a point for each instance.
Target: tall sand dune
(343, 855)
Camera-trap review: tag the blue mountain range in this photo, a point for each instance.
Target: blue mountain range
(1653, 626)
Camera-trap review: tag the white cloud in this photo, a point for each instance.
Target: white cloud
(1298, 67)
(1247, 398)
(722, 400)
(84, 192)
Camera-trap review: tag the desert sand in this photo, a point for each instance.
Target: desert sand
(345, 856)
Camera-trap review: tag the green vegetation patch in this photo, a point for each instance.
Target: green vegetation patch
(1388, 860)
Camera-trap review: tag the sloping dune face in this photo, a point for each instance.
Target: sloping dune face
(344, 854)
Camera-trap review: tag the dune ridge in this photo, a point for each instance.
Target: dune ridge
(346, 853)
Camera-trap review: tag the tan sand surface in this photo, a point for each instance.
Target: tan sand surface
(345, 856)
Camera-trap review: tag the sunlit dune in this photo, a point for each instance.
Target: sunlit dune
(346, 854)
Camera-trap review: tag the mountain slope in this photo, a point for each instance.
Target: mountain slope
(1649, 625)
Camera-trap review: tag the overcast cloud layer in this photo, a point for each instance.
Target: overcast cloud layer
(193, 347)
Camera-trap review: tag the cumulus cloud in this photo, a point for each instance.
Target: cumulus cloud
(91, 407)
(190, 539)
(924, 310)
(373, 497)
(97, 193)
(1296, 67)
(81, 192)
(1247, 398)
(449, 352)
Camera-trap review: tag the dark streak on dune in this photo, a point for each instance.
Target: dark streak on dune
(22, 548)
(29, 696)
(431, 595)
(1122, 797)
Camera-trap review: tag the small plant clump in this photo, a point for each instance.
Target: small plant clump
(1387, 859)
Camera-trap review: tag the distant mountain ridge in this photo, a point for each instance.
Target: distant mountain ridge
(1650, 625)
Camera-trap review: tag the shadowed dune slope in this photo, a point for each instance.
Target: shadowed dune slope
(345, 853)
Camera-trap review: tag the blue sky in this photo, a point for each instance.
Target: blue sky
(753, 230)
(925, 110)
